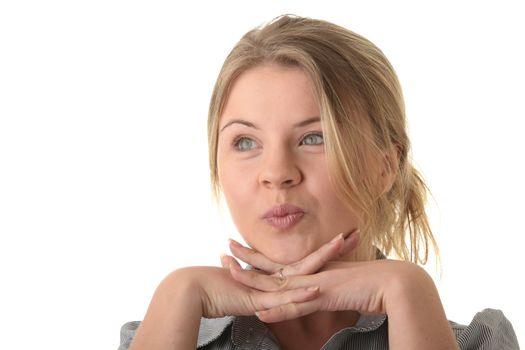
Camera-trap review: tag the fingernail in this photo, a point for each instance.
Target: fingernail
(225, 265)
(336, 238)
(234, 242)
(351, 233)
(313, 289)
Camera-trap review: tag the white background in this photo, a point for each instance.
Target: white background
(103, 158)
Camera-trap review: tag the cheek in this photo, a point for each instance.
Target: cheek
(321, 185)
(235, 185)
(333, 208)
(240, 198)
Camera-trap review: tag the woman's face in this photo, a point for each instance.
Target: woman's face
(272, 166)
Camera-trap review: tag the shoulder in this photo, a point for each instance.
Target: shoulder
(210, 329)
(489, 329)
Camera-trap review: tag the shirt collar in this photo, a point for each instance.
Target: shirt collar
(365, 324)
(212, 328)
(248, 332)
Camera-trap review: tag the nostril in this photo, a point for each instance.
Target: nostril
(283, 176)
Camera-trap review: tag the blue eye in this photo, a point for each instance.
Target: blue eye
(244, 144)
(313, 139)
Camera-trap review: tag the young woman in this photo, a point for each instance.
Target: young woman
(308, 146)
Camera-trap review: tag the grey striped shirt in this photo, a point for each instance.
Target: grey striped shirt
(489, 330)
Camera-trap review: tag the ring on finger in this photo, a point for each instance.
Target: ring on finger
(282, 277)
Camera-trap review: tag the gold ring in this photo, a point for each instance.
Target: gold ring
(282, 277)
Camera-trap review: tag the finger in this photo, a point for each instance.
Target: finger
(314, 261)
(330, 251)
(350, 243)
(288, 311)
(266, 283)
(253, 258)
(227, 261)
(264, 301)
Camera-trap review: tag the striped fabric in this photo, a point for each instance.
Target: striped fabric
(489, 330)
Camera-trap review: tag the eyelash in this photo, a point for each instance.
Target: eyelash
(315, 133)
(238, 140)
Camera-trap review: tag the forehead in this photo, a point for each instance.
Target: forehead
(271, 91)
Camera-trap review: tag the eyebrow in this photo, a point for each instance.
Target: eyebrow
(307, 122)
(239, 121)
(252, 125)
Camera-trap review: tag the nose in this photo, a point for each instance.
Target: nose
(280, 170)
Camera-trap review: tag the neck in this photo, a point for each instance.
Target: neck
(312, 331)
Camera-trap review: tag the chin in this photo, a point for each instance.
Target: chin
(286, 251)
(286, 257)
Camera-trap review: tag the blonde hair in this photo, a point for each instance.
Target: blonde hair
(363, 119)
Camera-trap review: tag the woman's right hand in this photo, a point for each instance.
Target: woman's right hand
(221, 295)
(187, 294)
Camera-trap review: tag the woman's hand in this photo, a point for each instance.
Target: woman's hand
(271, 271)
(402, 290)
(223, 295)
(360, 286)
(186, 295)
(340, 245)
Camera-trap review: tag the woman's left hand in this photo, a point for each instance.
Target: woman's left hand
(366, 287)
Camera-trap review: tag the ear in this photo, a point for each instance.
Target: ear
(390, 168)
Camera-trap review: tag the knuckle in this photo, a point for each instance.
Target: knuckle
(282, 285)
(254, 278)
(288, 311)
(280, 311)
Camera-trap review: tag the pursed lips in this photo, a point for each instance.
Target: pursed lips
(283, 216)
